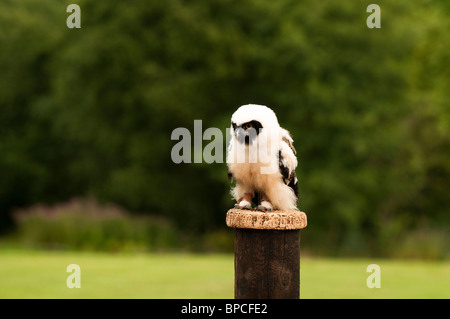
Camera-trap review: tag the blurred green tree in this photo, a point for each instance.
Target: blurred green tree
(90, 111)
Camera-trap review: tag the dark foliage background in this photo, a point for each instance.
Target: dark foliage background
(89, 112)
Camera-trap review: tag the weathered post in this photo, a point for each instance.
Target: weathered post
(266, 253)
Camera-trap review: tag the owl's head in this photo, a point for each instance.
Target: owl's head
(250, 120)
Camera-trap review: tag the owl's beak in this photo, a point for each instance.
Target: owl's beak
(246, 136)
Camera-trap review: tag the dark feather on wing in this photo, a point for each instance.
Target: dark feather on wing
(288, 179)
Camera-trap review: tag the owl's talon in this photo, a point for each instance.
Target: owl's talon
(265, 206)
(243, 204)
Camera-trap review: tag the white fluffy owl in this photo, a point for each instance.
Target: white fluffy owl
(261, 159)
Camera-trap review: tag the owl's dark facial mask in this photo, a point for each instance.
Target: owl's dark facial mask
(247, 132)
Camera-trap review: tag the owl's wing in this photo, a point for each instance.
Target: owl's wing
(287, 138)
(230, 176)
(288, 161)
(229, 147)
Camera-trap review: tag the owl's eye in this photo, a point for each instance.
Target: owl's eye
(248, 126)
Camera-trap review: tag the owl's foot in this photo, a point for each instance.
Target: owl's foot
(265, 206)
(243, 204)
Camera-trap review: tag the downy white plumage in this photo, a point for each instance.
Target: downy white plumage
(261, 159)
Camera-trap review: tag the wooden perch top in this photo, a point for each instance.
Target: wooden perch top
(275, 220)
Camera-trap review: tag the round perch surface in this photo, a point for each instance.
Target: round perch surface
(276, 220)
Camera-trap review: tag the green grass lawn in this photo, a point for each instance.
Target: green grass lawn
(42, 274)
